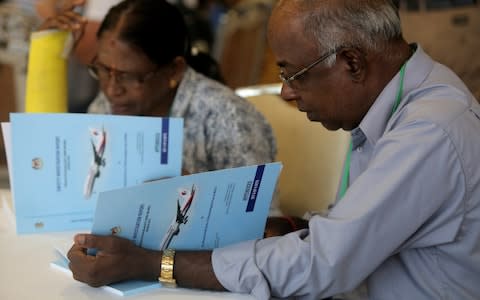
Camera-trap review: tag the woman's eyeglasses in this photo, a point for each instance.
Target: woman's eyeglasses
(125, 79)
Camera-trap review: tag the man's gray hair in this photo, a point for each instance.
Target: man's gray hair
(364, 24)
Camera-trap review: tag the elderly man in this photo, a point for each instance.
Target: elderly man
(406, 224)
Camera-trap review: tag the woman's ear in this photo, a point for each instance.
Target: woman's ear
(179, 66)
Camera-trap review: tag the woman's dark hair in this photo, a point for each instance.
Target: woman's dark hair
(158, 29)
(154, 26)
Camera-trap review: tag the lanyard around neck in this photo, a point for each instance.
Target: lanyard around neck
(346, 168)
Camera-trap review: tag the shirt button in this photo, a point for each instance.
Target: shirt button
(359, 149)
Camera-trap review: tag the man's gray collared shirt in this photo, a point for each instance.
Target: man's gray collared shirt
(408, 226)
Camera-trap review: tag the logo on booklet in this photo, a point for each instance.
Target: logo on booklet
(37, 163)
(116, 230)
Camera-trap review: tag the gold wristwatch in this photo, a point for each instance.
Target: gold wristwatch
(166, 269)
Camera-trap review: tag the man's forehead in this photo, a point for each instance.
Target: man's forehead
(288, 40)
(293, 54)
(286, 10)
(285, 21)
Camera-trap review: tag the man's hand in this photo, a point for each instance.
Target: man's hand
(59, 14)
(116, 259)
(49, 8)
(64, 5)
(67, 19)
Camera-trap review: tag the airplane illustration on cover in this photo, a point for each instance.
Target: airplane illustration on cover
(98, 140)
(186, 197)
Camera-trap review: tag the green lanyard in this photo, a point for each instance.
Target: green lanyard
(346, 167)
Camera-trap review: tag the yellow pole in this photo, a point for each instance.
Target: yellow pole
(46, 86)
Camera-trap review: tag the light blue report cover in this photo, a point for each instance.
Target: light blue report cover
(199, 211)
(60, 163)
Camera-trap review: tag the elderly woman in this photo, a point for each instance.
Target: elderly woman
(142, 67)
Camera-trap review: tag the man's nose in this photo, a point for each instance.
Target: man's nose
(287, 93)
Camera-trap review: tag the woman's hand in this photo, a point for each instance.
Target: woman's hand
(116, 259)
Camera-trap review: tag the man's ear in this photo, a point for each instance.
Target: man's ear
(355, 63)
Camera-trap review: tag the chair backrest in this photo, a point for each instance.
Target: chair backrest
(312, 156)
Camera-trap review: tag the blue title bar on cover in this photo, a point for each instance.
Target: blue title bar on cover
(255, 187)
(164, 153)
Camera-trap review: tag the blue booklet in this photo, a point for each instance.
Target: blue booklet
(199, 211)
(60, 162)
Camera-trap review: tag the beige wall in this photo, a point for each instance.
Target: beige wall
(450, 36)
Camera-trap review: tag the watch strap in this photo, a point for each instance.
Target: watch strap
(166, 268)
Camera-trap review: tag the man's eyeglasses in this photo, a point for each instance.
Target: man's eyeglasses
(289, 79)
(125, 79)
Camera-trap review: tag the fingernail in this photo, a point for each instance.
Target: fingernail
(80, 239)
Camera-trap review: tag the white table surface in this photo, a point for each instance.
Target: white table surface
(25, 271)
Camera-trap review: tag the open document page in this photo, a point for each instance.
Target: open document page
(200, 211)
(60, 162)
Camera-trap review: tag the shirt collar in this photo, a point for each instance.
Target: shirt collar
(375, 121)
